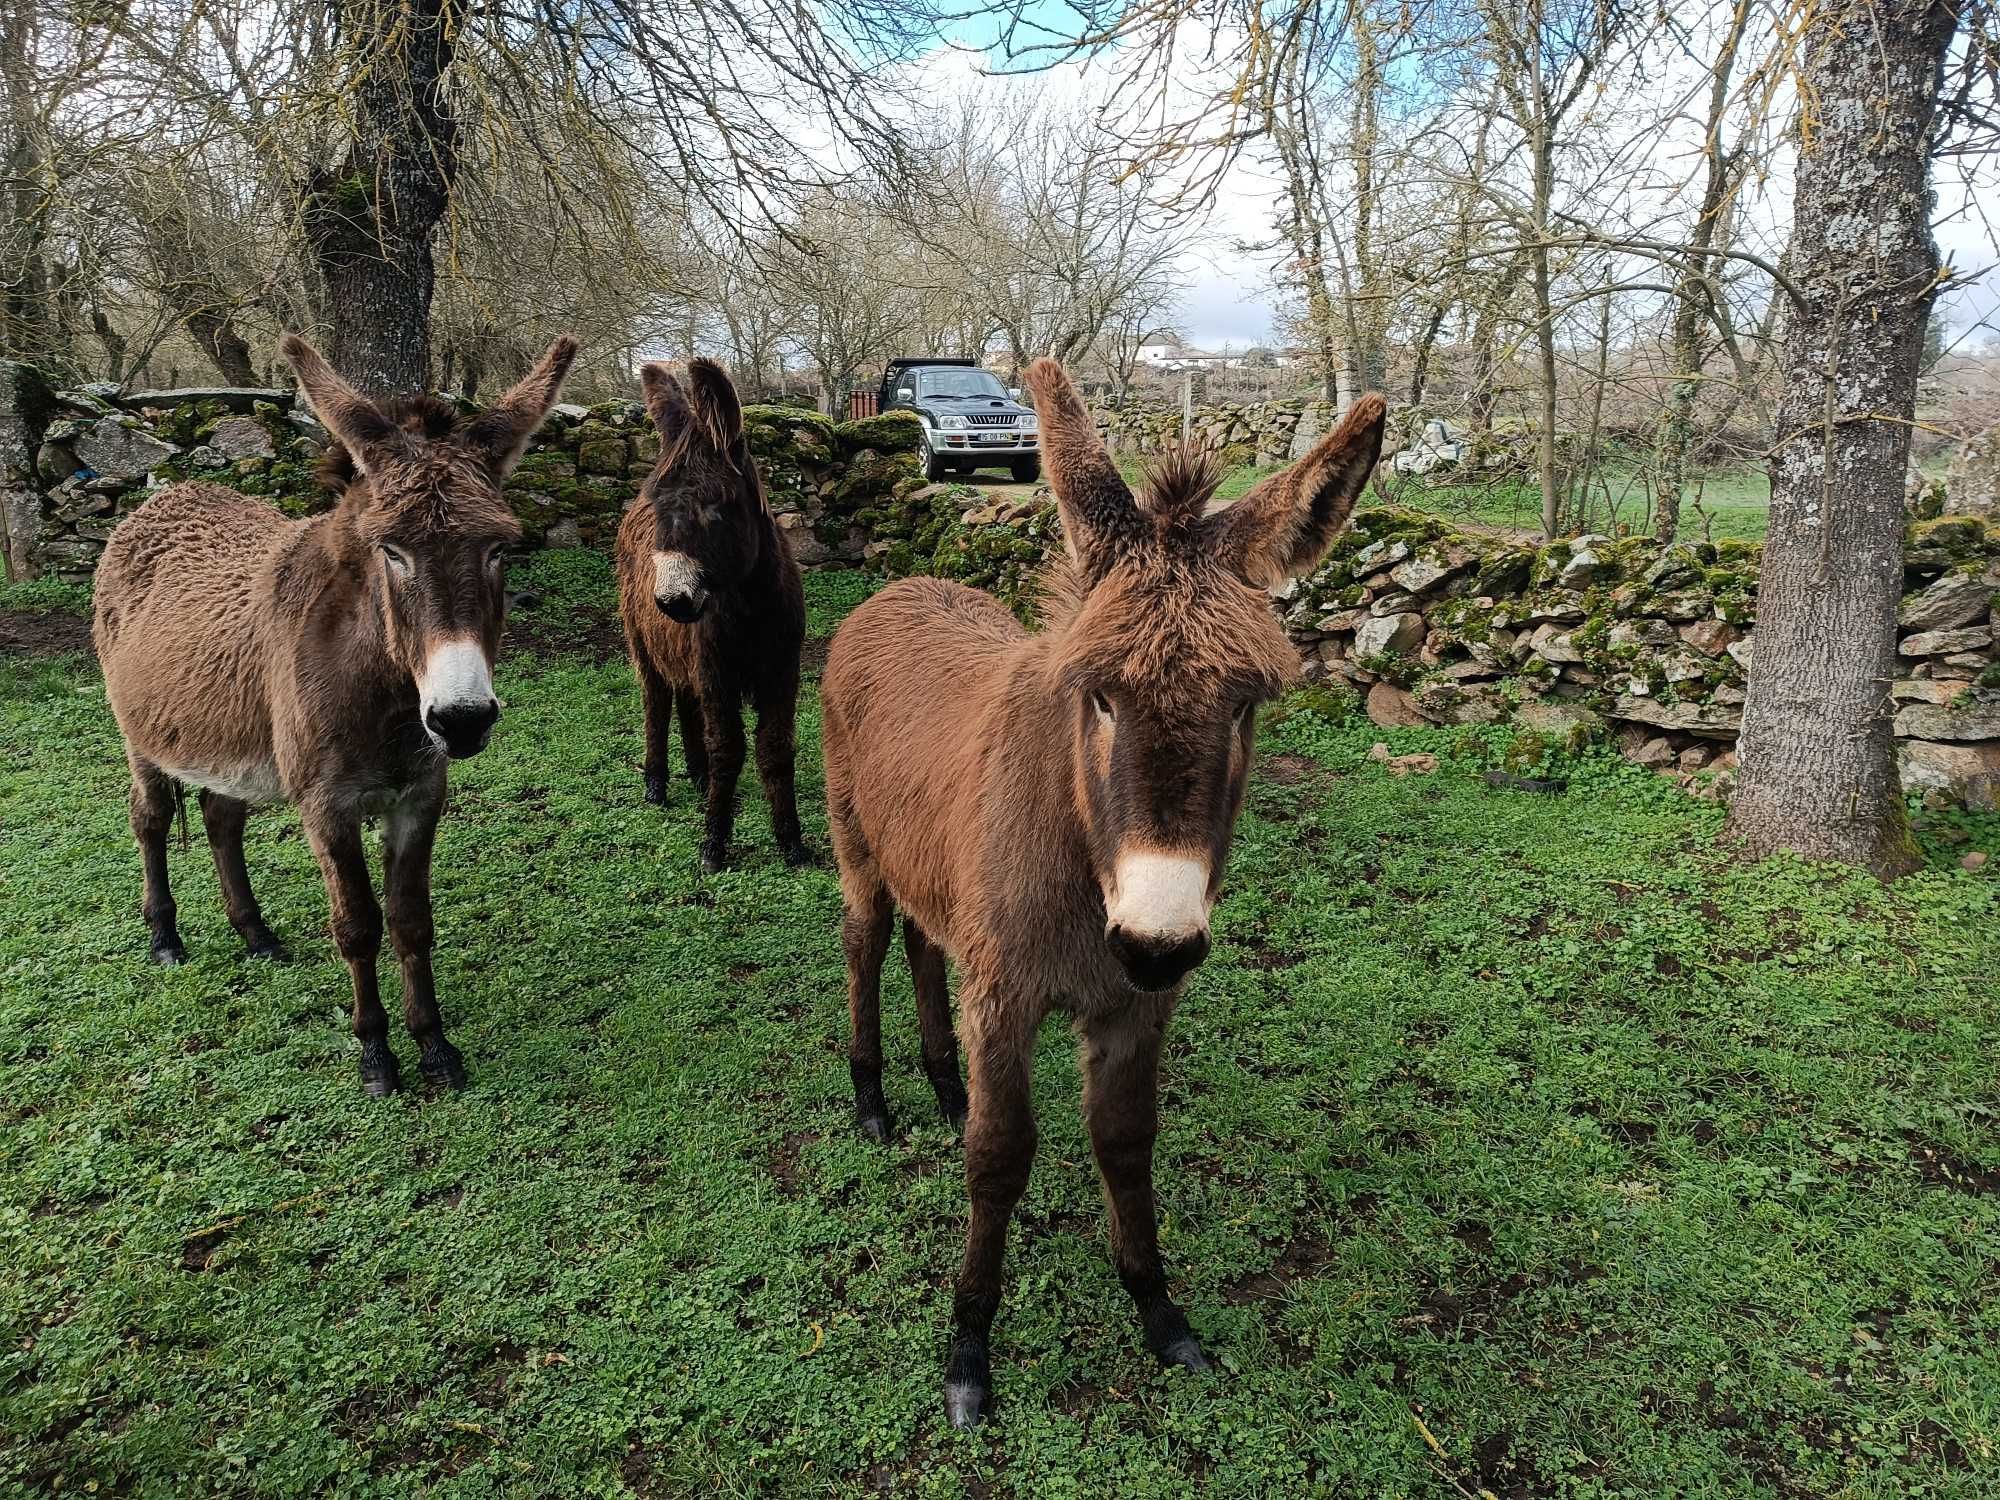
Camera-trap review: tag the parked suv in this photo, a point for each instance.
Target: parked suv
(970, 420)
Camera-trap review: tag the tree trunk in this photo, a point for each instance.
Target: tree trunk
(370, 220)
(216, 333)
(1818, 757)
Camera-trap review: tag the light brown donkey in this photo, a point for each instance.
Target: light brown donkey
(333, 662)
(1053, 810)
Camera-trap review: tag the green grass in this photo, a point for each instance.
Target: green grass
(1725, 504)
(1624, 1169)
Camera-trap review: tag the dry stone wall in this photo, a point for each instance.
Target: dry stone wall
(74, 462)
(1424, 623)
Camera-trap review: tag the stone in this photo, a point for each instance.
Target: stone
(1951, 601)
(1459, 703)
(54, 462)
(1710, 637)
(1395, 604)
(1584, 565)
(1931, 721)
(1938, 690)
(565, 532)
(1976, 860)
(1379, 555)
(1967, 774)
(1429, 568)
(242, 437)
(1944, 642)
(1342, 620)
(1739, 652)
(203, 456)
(1389, 635)
(1675, 566)
(1560, 721)
(1654, 751)
(1392, 708)
(1552, 643)
(116, 451)
(1710, 721)
(1972, 483)
(1557, 608)
(1692, 759)
(236, 398)
(1964, 661)
(1418, 763)
(1641, 633)
(1688, 605)
(603, 456)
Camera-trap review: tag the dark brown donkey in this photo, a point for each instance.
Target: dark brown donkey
(713, 607)
(1053, 810)
(333, 662)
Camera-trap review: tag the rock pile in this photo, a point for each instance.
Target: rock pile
(1648, 644)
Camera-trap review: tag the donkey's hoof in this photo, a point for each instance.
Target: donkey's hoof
(656, 790)
(443, 1065)
(968, 1384)
(798, 856)
(265, 945)
(380, 1077)
(879, 1128)
(714, 857)
(169, 955)
(1186, 1353)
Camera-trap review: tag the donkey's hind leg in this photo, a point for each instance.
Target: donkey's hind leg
(864, 934)
(223, 818)
(152, 805)
(934, 1021)
(777, 755)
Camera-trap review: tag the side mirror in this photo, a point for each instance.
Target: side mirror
(1014, 391)
(904, 393)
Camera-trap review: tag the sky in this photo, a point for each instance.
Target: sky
(1230, 299)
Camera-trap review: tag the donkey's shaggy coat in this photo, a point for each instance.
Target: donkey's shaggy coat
(333, 662)
(1054, 809)
(714, 610)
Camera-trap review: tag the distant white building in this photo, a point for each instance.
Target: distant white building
(1162, 351)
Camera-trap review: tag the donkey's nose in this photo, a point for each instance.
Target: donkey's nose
(683, 608)
(464, 727)
(1157, 960)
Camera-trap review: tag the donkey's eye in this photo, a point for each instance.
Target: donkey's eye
(398, 558)
(496, 556)
(1103, 707)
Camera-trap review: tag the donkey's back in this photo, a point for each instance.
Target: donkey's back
(177, 624)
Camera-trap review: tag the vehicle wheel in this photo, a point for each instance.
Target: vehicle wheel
(1027, 470)
(934, 467)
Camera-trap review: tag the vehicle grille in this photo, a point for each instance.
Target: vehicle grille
(1001, 419)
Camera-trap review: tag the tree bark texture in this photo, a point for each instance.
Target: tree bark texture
(1818, 771)
(370, 219)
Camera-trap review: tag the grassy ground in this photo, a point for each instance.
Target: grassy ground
(1521, 1125)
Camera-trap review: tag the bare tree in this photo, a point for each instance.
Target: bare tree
(1818, 756)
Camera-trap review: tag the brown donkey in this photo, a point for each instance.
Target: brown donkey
(1053, 810)
(714, 609)
(333, 662)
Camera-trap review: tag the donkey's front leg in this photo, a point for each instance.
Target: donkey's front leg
(725, 764)
(999, 1151)
(407, 835)
(1121, 1079)
(335, 837)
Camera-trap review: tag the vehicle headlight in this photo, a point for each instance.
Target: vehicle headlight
(1029, 423)
(949, 420)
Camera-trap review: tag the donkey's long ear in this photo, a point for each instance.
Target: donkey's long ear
(504, 428)
(718, 411)
(666, 400)
(1098, 512)
(1283, 526)
(350, 416)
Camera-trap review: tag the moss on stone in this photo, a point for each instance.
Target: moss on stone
(889, 432)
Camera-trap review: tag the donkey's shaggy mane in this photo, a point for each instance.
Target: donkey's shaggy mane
(1179, 483)
(426, 416)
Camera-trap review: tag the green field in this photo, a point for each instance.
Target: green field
(1523, 1125)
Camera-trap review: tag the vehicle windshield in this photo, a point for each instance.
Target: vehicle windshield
(959, 383)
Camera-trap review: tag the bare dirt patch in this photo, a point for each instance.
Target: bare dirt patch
(44, 633)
